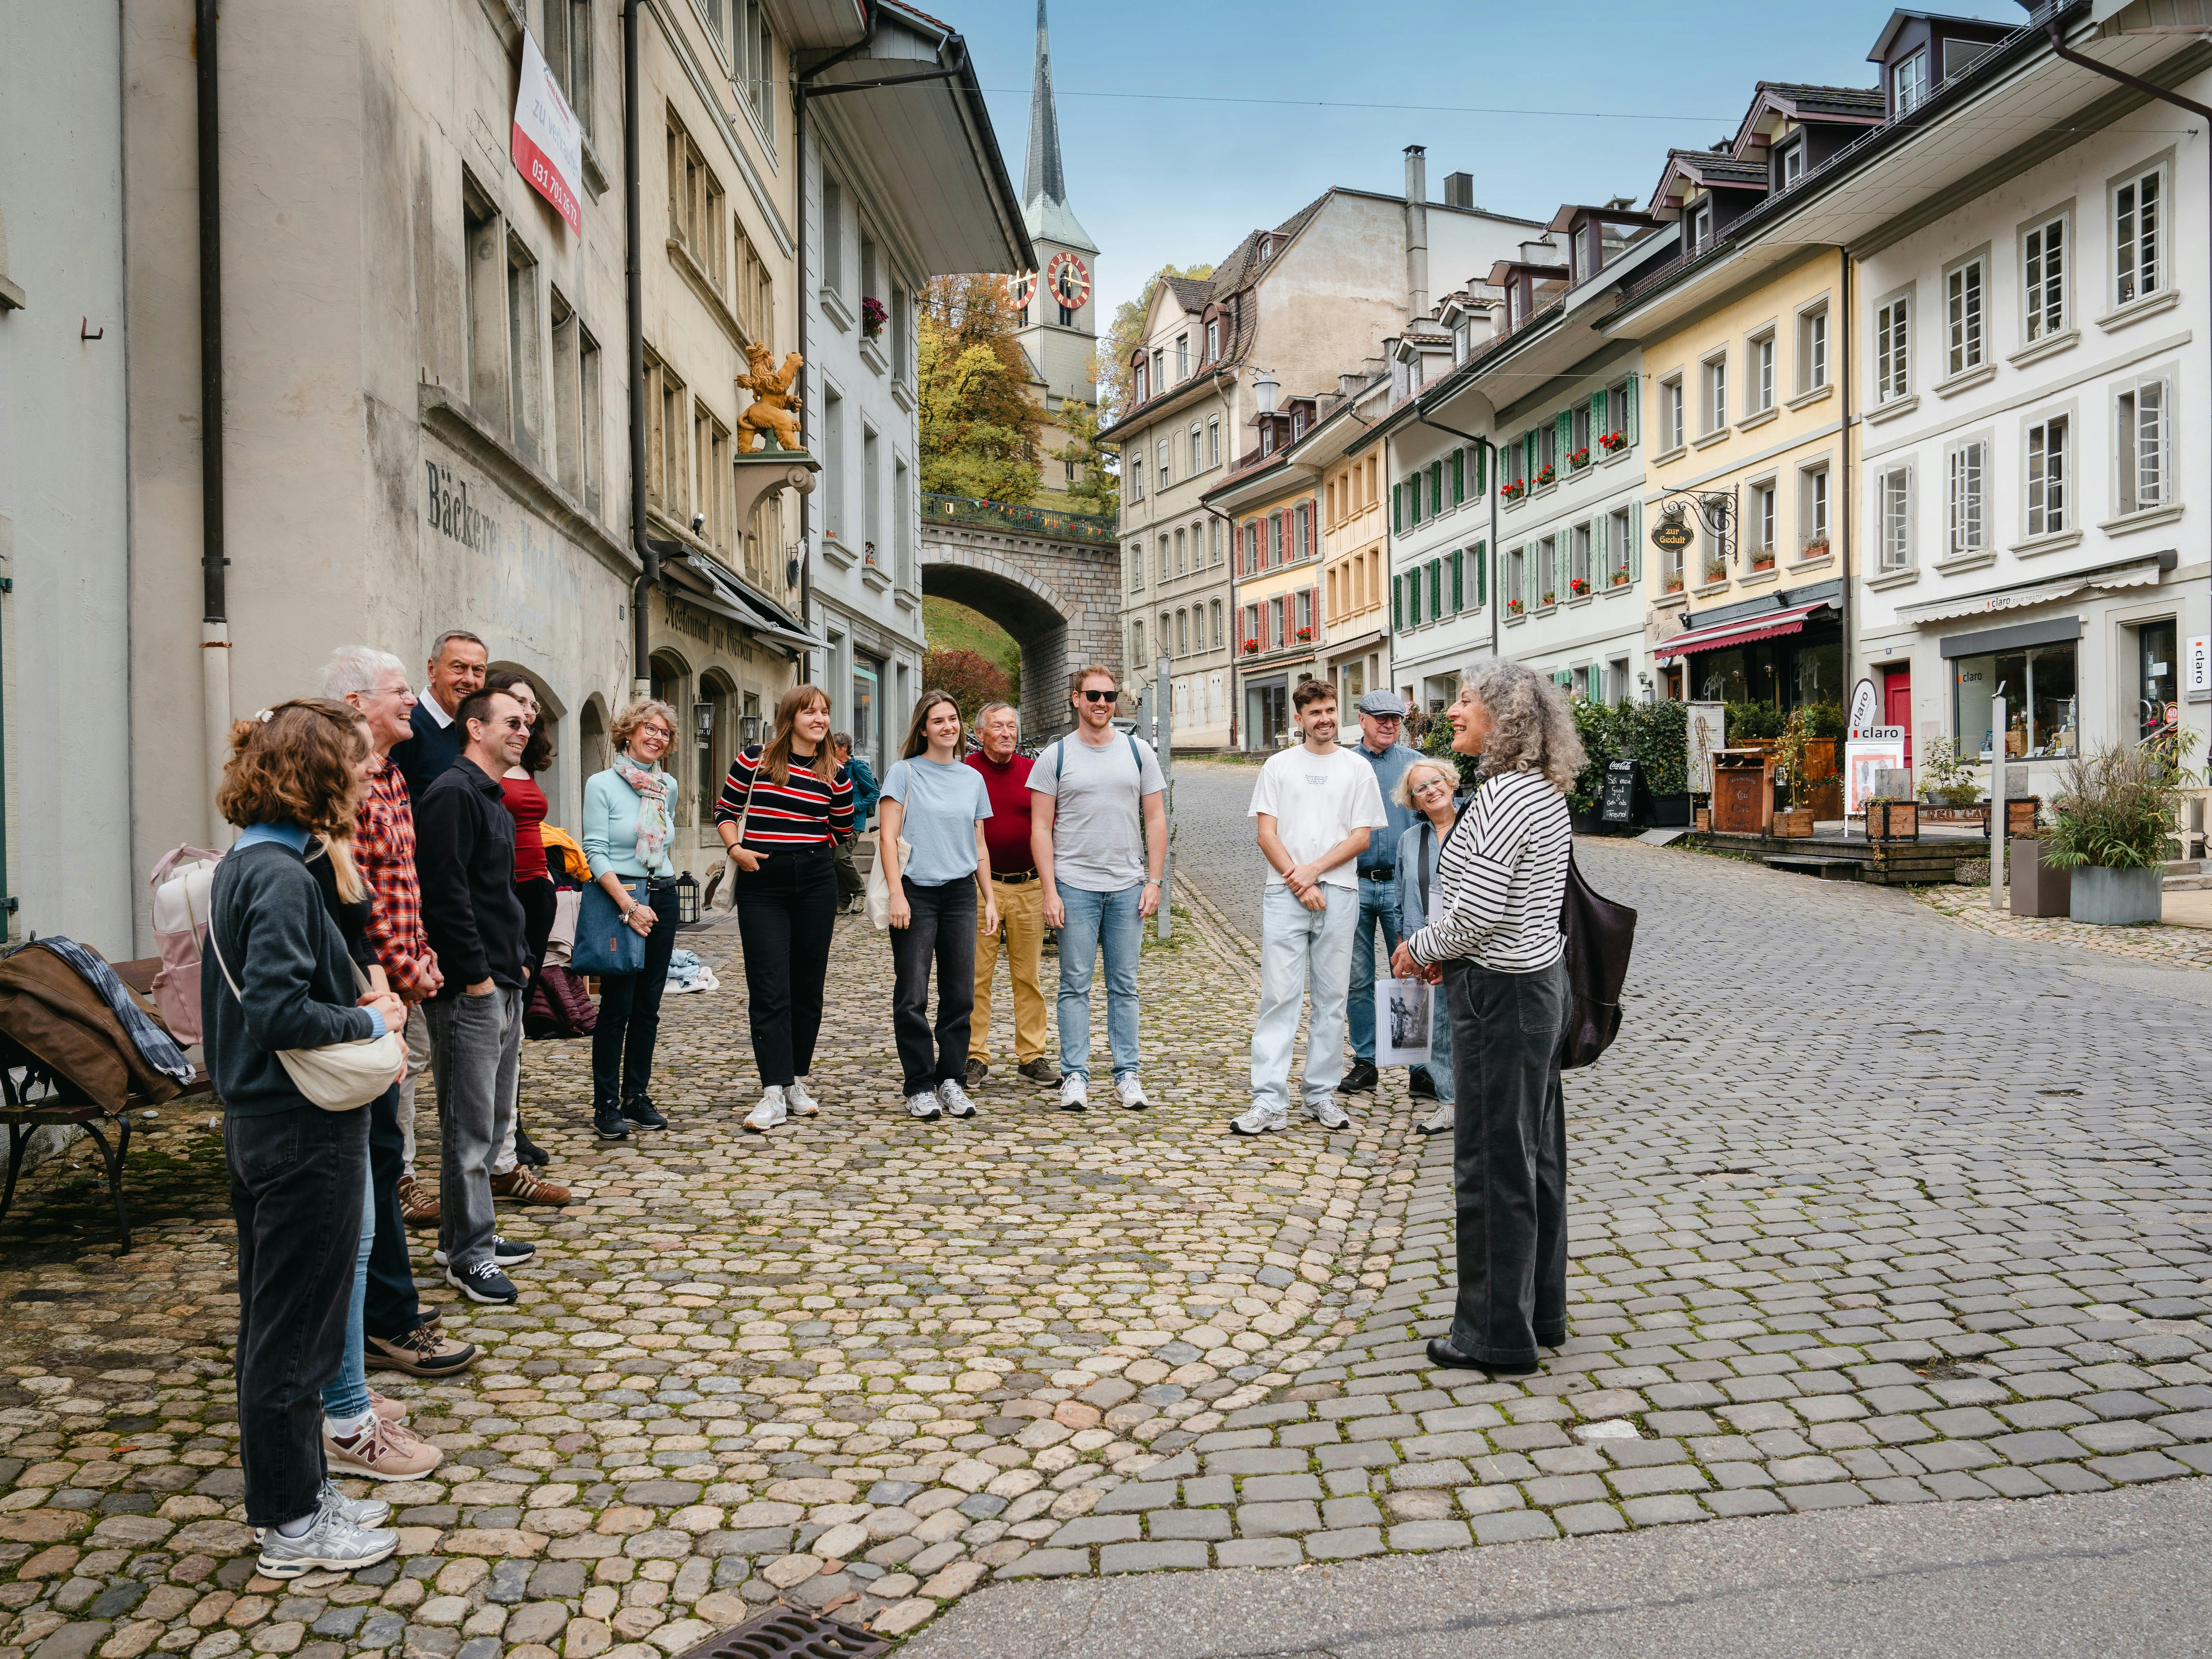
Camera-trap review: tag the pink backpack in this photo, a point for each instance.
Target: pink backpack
(181, 883)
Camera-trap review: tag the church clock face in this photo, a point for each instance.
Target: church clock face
(1022, 287)
(1067, 279)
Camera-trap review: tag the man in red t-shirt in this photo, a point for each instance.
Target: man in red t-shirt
(1021, 900)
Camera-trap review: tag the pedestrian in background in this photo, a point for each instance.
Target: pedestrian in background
(1381, 715)
(1427, 788)
(1318, 807)
(630, 819)
(298, 1173)
(940, 807)
(397, 1334)
(1502, 877)
(464, 860)
(852, 886)
(1098, 832)
(1005, 774)
(456, 672)
(784, 808)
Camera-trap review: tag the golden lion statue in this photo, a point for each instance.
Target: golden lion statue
(770, 411)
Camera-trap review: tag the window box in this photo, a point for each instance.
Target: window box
(1814, 550)
(1304, 636)
(1620, 579)
(1512, 607)
(1578, 586)
(1614, 442)
(1674, 584)
(1550, 600)
(1762, 558)
(1514, 491)
(1715, 572)
(1546, 474)
(1579, 460)
(1251, 647)
(873, 315)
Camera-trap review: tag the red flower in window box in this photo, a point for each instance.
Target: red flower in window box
(1513, 607)
(1579, 458)
(873, 316)
(1514, 491)
(1619, 577)
(1306, 636)
(1544, 474)
(1251, 647)
(1613, 440)
(1577, 585)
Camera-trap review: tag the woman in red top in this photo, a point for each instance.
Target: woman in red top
(533, 885)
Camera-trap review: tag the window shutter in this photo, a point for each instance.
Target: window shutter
(1632, 418)
(1600, 572)
(1435, 488)
(1528, 452)
(1481, 575)
(1563, 677)
(1436, 587)
(1397, 602)
(1459, 580)
(1565, 425)
(1414, 498)
(1397, 509)
(1636, 541)
(1478, 460)
(1459, 476)
(1598, 427)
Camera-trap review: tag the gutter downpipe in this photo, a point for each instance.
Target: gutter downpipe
(1843, 505)
(215, 618)
(633, 296)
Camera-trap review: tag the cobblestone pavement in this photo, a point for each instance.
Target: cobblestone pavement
(2167, 944)
(1869, 1208)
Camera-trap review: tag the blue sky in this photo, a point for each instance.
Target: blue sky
(1162, 177)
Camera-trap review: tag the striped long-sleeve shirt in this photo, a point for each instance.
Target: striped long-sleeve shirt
(802, 811)
(1502, 875)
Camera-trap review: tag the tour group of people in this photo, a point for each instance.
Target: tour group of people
(391, 879)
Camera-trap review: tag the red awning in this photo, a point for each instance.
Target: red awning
(1766, 625)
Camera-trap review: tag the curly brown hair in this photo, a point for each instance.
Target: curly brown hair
(294, 764)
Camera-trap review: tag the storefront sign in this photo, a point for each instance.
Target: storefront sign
(1671, 535)
(549, 145)
(1708, 732)
(1862, 706)
(2197, 661)
(1875, 748)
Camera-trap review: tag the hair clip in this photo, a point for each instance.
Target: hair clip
(263, 716)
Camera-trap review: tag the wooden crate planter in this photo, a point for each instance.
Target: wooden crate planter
(1796, 821)
(1743, 792)
(1891, 821)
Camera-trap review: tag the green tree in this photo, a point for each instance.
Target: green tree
(979, 428)
(1098, 488)
(1117, 386)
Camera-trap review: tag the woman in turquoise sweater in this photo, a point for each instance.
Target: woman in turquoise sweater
(630, 819)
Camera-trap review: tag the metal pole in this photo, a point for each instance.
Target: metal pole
(1997, 803)
(1164, 741)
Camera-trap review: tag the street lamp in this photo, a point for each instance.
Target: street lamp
(1265, 387)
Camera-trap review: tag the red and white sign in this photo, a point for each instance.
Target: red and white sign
(549, 145)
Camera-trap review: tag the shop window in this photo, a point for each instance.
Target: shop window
(2154, 643)
(2037, 684)
(2043, 277)
(2145, 445)
(2050, 473)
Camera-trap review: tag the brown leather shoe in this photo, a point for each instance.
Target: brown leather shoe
(422, 1352)
(524, 1187)
(418, 1205)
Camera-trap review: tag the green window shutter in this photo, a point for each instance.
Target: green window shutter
(1632, 417)
(1397, 602)
(1479, 459)
(1459, 476)
(1397, 510)
(1564, 678)
(1565, 425)
(1413, 597)
(1414, 498)
(1436, 487)
(1481, 575)
(1598, 427)
(1636, 541)
(1459, 580)
(1600, 572)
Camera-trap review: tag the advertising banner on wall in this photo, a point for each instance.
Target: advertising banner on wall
(548, 144)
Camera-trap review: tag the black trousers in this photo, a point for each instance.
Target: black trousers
(787, 911)
(540, 900)
(1508, 1160)
(851, 883)
(943, 929)
(296, 1179)
(390, 1309)
(630, 1010)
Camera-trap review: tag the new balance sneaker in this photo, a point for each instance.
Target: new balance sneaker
(391, 1411)
(1075, 1093)
(505, 1252)
(924, 1106)
(484, 1283)
(422, 1352)
(772, 1110)
(1328, 1114)
(954, 1099)
(1039, 1070)
(361, 1511)
(798, 1098)
(607, 1123)
(1131, 1091)
(382, 1451)
(332, 1544)
(1438, 1122)
(1259, 1119)
(525, 1188)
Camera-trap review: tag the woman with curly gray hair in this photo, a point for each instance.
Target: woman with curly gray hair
(1501, 879)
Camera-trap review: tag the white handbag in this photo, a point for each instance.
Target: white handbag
(338, 1076)
(878, 898)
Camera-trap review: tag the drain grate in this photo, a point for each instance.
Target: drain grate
(787, 1633)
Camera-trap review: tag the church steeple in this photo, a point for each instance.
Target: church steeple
(1044, 185)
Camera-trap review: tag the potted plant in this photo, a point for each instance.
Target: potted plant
(1762, 558)
(1674, 581)
(1613, 441)
(1544, 474)
(1791, 754)
(1514, 490)
(873, 316)
(2111, 824)
(1580, 459)
(1598, 725)
(1306, 636)
(1947, 778)
(1816, 546)
(1512, 607)
(1251, 647)
(1891, 820)
(1716, 571)
(1579, 585)
(1549, 598)
(1617, 579)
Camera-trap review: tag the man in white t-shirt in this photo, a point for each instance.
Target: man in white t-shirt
(1316, 804)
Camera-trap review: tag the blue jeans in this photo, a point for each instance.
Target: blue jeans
(349, 1395)
(1304, 955)
(1096, 921)
(1378, 903)
(1440, 1045)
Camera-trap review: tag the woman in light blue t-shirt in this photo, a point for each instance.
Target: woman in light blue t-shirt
(937, 804)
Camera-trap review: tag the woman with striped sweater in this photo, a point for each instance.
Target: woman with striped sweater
(1496, 945)
(783, 808)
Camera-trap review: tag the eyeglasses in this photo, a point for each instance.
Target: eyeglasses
(656, 731)
(1432, 786)
(1100, 696)
(1386, 720)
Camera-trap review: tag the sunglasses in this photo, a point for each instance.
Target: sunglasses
(1100, 696)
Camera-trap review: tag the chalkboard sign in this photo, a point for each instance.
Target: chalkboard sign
(1623, 782)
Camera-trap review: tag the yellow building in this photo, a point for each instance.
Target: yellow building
(1273, 502)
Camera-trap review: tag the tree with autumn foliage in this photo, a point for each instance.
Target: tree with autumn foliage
(968, 678)
(1117, 384)
(979, 429)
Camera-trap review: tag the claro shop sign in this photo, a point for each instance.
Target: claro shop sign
(549, 145)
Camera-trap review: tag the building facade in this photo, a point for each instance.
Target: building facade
(1273, 504)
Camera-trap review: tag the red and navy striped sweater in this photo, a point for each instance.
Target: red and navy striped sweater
(803, 812)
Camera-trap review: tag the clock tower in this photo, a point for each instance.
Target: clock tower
(1059, 301)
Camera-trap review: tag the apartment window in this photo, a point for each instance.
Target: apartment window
(1213, 541)
(568, 394)
(695, 205)
(1714, 392)
(1183, 634)
(1547, 570)
(1278, 633)
(2138, 222)
(1812, 349)
(568, 54)
(1620, 413)
(1435, 488)
(1812, 511)
(1301, 532)
(1213, 341)
(1160, 455)
(522, 337)
(871, 506)
(1252, 625)
(832, 496)
(1250, 564)
(1672, 429)
(1143, 385)
(2050, 472)
(1908, 83)
(1213, 441)
(1578, 559)
(1894, 506)
(590, 368)
(489, 385)
(1166, 647)
(1277, 540)
(755, 52)
(1182, 565)
(1965, 516)
(1617, 547)
(1790, 165)
(1762, 519)
(1304, 611)
(1160, 369)
(2043, 274)
(1137, 477)
(1197, 451)
(1214, 613)
(1578, 432)
(1701, 227)
(1137, 641)
(1182, 356)
(1547, 447)
(1893, 349)
(1167, 568)
(710, 454)
(1516, 577)
(1761, 373)
(1459, 466)
(902, 353)
(1136, 566)
(2145, 445)
(666, 411)
(833, 236)
(1962, 317)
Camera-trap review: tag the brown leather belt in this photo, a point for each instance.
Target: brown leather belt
(1016, 880)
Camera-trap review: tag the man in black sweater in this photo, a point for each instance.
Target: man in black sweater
(464, 860)
(457, 672)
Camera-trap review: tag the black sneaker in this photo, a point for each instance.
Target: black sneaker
(977, 1071)
(607, 1124)
(484, 1283)
(504, 1252)
(1421, 1084)
(527, 1151)
(1359, 1079)
(641, 1113)
(1040, 1069)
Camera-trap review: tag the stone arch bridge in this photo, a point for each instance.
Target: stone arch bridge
(1051, 580)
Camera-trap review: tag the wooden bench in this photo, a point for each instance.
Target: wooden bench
(32, 1097)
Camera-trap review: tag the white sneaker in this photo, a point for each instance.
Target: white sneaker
(361, 1511)
(798, 1099)
(769, 1113)
(1260, 1118)
(1075, 1093)
(924, 1106)
(1438, 1122)
(1131, 1091)
(333, 1544)
(955, 1100)
(1328, 1115)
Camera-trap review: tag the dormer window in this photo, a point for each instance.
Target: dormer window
(1298, 424)
(1213, 341)
(1267, 249)
(1459, 336)
(1413, 372)
(1516, 307)
(1266, 437)
(1701, 227)
(1182, 356)
(1790, 164)
(1908, 83)
(1144, 380)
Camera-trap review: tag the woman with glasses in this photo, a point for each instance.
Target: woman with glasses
(1427, 788)
(630, 819)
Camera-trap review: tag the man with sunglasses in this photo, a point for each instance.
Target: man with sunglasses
(1381, 719)
(1098, 829)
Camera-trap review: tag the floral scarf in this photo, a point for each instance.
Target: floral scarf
(655, 829)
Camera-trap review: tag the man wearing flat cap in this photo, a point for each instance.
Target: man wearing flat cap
(1381, 720)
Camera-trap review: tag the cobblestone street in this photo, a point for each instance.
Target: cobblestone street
(1869, 1207)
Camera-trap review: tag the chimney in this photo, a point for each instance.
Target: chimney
(1459, 190)
(1416, 230)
